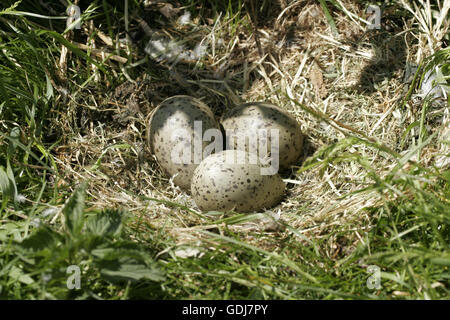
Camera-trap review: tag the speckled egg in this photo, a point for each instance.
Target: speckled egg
(224, 182)
(173, 128)
(247, 119)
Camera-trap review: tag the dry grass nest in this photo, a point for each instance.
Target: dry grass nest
(355, 79)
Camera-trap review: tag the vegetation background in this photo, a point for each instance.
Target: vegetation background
(79, 188)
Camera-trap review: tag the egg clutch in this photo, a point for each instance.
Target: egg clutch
(231, 165)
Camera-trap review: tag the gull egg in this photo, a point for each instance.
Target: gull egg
(175, 136)
(235, 180)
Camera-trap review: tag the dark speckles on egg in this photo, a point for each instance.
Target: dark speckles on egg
(246, 119)
(173, 115)
(241, 187)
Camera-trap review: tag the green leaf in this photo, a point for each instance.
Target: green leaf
(7, 185)
(14, 135)
(41, 239)
(13, 229)
(120, 249)
(28, 151)
(18, 275)
(281, 258)
(128, 271)
(80, 53)
(10, 9)
(73, 211)
(329, 18)
(12, 180)
(106, 223)
(443, 261)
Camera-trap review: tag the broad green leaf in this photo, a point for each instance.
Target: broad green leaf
(120, 250)
(73, 211)
(18, 275)
(106, 223)
(11, 229)
(130, 271)
(41, 239)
